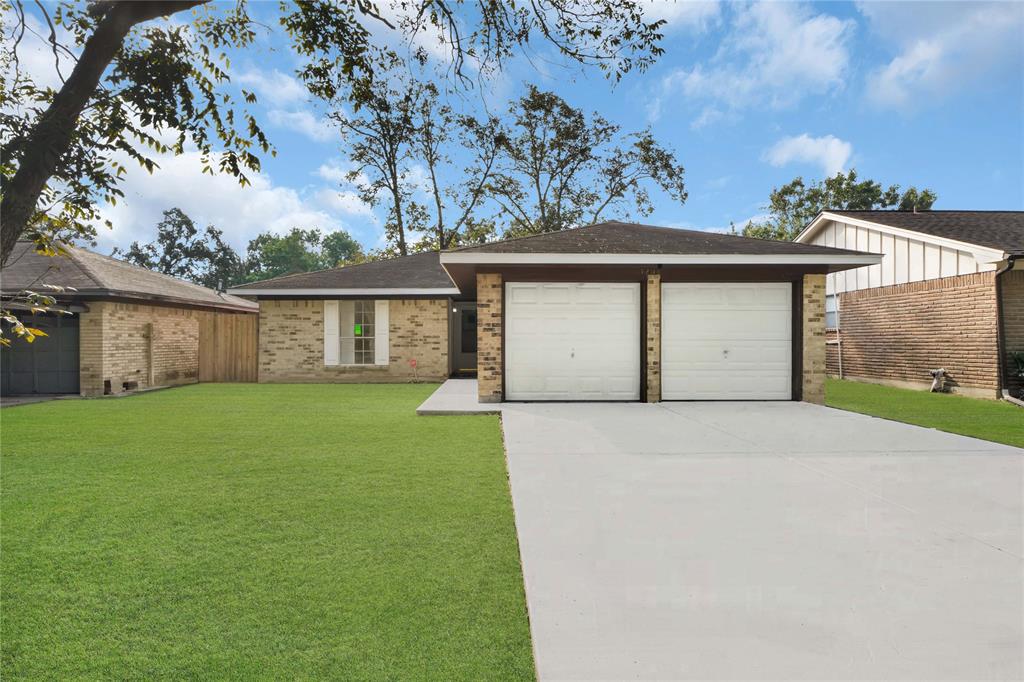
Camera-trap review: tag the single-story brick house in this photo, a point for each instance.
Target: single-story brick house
(129, 327)
(948, 294)
(613, 311)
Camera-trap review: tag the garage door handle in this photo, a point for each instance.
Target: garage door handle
(725, 353)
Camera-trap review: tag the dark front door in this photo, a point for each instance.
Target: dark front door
(49, 364)
(464, 337)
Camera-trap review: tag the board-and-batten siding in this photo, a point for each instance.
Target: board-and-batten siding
(903, 259)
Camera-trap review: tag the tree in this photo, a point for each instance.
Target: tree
(559, 169)
(793, 206)
(139, 85)
(181, 250)
(398, 123)
(339, 248)
(270, 255)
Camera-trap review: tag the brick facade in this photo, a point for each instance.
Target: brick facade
(895, 334)
(813, 327)
(1012, 284)
(488, 335)
(291, 344)
(653, 337)
(128, 342)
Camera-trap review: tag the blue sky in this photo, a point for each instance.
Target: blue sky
(748, 95)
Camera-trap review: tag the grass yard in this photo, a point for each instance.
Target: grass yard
(992, 420)
(258, 531)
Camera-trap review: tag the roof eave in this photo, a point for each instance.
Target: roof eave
(347, 291)
(476, 258)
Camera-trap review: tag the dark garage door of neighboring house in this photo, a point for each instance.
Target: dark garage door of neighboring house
(49, 365)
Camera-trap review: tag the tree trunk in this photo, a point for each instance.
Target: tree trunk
(51, 136)
(396, 194)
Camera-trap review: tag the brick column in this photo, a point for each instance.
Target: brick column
(813, 328)
(488, 335)
(653, 340)
(90, 349)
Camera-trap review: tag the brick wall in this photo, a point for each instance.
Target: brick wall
(813, 327)
(1013, 324)
(291, 344)
(488, 335)
(895, 334)
(831, 353)
(127, 342)
(653, 339)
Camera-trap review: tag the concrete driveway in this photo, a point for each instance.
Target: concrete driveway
(764, 541)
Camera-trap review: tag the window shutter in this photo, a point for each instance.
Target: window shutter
(381, 327)
(332, 344)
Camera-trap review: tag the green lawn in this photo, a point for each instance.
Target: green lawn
(262, 531)
(989, 419)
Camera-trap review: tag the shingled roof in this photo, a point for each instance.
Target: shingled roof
(418, 273)
(636, 239)
(1003, 230)
(95, 276)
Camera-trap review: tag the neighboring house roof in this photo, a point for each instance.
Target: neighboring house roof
(96, 276)
(621, 243)
(418, 274)
(999, 230)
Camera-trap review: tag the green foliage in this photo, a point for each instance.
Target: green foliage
(181, 250)
(238, 531)
(793, 206)
(558, 168)
(993, 420)
(163, 90)
(270, 255)
(142, 87)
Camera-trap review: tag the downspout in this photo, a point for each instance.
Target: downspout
(1004, 392)
(839, 335)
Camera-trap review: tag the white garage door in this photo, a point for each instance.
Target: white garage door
(727, 341)
(567, 341)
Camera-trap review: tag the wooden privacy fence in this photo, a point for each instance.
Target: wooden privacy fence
(228, 347)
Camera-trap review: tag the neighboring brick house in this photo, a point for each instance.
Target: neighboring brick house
(613, 311)
(128, 327)
(948, 294)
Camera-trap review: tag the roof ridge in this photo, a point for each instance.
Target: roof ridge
(74, 253)
(532, 236)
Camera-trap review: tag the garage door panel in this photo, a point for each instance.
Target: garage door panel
(49, 365)
(727, 341)
(572, 341)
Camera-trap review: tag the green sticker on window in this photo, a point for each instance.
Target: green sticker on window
(358, 330)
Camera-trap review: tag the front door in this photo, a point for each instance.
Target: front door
(464, 337)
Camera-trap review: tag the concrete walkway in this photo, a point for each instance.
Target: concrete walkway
(456, 396)
(763, 541)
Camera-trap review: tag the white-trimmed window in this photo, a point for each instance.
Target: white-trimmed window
(356, 332)
(832, 312)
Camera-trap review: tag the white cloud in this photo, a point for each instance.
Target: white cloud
(272, 87)
(942, 48)
(241, 212)
(345, 201)
(828, 152)
(304, 122)
(773, 55)
(693, 14)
